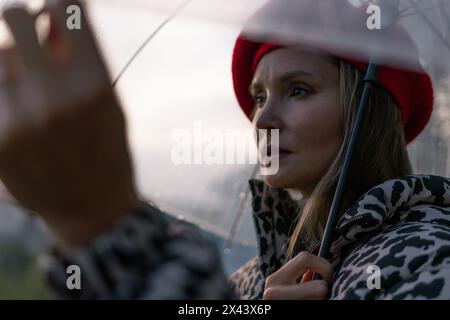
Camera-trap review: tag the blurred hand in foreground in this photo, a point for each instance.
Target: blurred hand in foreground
(63, 146)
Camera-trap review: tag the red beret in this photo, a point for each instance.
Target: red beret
(412, 90)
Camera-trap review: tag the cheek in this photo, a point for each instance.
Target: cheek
(315, 127)
(316, 136)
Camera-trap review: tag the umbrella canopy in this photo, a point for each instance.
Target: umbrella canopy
(172, 63)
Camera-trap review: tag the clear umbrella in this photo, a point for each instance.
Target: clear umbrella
(171, 63)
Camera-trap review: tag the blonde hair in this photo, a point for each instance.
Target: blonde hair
(379, 154)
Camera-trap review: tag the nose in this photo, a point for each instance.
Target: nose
(268, 117)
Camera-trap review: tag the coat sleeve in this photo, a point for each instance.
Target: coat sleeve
(423, 248)
(413, 259)
(433, 283)
(426, 271)
(145, 256)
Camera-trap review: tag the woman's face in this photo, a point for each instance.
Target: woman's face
(296, 90)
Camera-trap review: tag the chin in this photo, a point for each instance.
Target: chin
(279, 180)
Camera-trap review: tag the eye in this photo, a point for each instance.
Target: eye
(298, 91)
(259, 99)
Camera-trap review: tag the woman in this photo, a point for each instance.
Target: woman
(314, 110)
(79, 179)
(312, 97)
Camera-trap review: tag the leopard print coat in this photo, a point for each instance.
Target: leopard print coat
(401, 226)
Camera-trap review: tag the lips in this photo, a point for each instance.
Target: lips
(267, 159)
(284, 151)
(281, 151)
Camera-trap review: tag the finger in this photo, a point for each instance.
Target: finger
(312, 290)
(8, 67)
(80, 53)
(22, 26)
(6, 80)
(69, 18)
(8, 77)
(57, 46)
(307, 276)
(296, 267)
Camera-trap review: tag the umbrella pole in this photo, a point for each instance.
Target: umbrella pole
(369, 81)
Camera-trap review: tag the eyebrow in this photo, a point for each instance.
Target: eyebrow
(285, 77)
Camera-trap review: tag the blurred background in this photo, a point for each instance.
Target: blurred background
(181, 76)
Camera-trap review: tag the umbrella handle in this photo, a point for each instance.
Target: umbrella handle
(369, 81)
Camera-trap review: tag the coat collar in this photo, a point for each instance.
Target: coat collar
(275, 213)
(388, 203)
